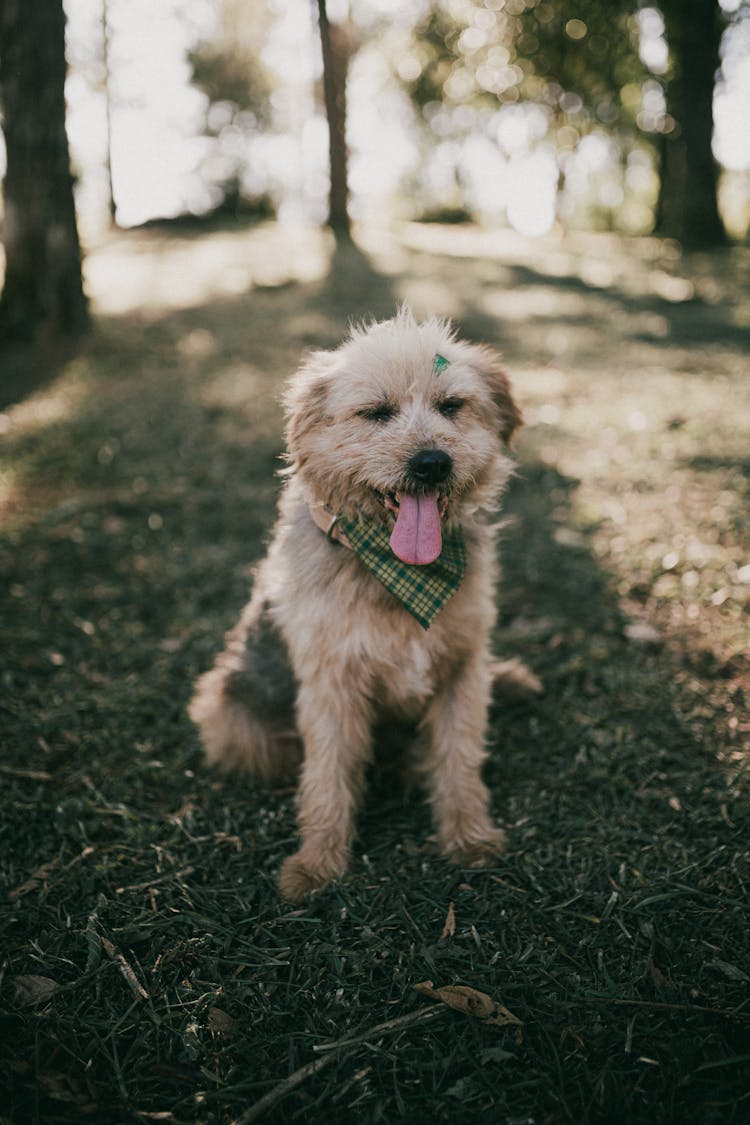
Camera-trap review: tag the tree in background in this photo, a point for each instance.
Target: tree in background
(688, 207)
(43, 291)
(229, 69)
(107, 91)
(336, 50)
(583, 68)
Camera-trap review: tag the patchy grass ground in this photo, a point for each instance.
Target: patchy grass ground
(149, 971)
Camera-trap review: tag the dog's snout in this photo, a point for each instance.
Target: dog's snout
(430, 466)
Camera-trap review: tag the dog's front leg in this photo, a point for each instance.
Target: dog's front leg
(456, 723)
(334, 718)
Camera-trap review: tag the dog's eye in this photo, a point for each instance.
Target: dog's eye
(383, 412)
(449, 407)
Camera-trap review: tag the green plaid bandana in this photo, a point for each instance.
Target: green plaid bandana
(422, 590)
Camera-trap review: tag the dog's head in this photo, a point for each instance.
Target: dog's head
(405, 424)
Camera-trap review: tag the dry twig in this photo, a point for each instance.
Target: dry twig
(255, 1111)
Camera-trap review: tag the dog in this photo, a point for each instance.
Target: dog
(375, 602)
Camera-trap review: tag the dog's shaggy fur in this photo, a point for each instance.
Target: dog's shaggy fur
(323, 652)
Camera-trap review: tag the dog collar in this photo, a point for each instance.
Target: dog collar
(329, 524)
(422, 590)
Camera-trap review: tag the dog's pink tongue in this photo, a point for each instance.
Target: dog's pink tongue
(416, 538)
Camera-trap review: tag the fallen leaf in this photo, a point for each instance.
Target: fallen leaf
(221, 1023)
(733, 972)
(449, 928)
(461, 1090)
(33, 990)
(657, 976)
(469, 1001)
(34, 881)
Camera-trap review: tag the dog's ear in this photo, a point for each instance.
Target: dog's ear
(305, 400)
(488, 365)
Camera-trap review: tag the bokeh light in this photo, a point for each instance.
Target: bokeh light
(524, 163)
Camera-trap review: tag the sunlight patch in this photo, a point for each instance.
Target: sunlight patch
(232, 387)
(54, 404)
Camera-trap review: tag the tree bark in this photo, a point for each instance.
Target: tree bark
(43, 293)
(688, 207)
(335, 46)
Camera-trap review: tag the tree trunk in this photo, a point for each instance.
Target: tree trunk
(112, 206)
(43, 293)
(335, 45)
(688, 207)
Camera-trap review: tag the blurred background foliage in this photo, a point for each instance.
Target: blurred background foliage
(504, 111)
(229, 72)
(528, 79)
(629, 116)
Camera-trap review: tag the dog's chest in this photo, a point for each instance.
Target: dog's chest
(404, 674)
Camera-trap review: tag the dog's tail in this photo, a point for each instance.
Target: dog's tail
(235, 738)
(511, 679)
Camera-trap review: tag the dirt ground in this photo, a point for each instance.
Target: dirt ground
(147, 969)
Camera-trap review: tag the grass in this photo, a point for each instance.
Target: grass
(149, 970)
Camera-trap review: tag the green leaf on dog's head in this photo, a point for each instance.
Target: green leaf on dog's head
(439, 364)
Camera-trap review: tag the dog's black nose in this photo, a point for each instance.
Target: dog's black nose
(430, 466)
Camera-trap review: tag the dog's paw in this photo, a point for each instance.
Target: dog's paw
(300, 874)
(477, 853)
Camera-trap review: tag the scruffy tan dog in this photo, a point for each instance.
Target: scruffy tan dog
(375, 602)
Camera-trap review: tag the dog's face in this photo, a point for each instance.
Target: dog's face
(403, 424)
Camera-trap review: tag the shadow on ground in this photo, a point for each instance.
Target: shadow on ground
(151, 968)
